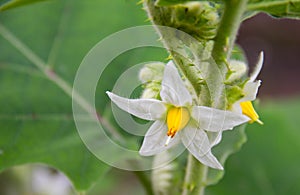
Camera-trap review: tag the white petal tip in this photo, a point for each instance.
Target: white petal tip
(258, 66)
(108, 93)
(218, 166)
(221, 168)
(261, 55)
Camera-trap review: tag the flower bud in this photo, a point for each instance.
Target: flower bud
(151, 75)
(199, 19)
(238, 69)
(152, 72)
(150, 93)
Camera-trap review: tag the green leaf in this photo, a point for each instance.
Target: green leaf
(9, 4)
(36, 111)
(170, 2)
(51, 140)
(231, 143)
(269, 162)
(276, 8)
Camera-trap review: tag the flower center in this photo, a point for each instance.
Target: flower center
(248, 110)
(177, 119)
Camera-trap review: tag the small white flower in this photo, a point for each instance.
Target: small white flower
(177, 114)
(244, 105)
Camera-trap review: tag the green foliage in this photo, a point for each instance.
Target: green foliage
(198, 19)
(51, 140)
(170, 2)
(269, 162)
(36, 115)
(9, 4)
(231, 143)
(276, 8)
(233, 94)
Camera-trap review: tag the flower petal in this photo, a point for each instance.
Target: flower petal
(250, 91)
(216, 120)
(258, 67)
(214, 137)
(196, 140)
(210, 160)
(173, 89)
(197, 143)
(155, 139)
(148, 109)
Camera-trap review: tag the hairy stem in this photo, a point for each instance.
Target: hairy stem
(196, 172)
(230, 22)
(195, 177)
(169, 39)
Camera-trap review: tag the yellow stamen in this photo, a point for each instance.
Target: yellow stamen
(177, 119)
(168, 140)
(248, 110)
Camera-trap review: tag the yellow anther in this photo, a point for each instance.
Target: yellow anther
(248, 110)
(177, 119)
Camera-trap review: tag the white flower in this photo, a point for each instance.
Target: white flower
(244, 105)
(175, 113)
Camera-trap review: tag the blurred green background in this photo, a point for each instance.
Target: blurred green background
(36, 116)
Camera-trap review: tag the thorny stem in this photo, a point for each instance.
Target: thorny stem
(60, 82)
(189, 71)
(230, 22)
(196, 172)
(195, 177)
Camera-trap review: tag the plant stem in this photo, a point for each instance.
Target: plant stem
(230, 22)
(195, 177)
(196, 173)
(159, 20)
(144, 180)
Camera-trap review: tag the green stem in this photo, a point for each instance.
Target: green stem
(159, 17)
(144, 180)
(230, 22)
(190, 72)
(196, 173)
(195, 177)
